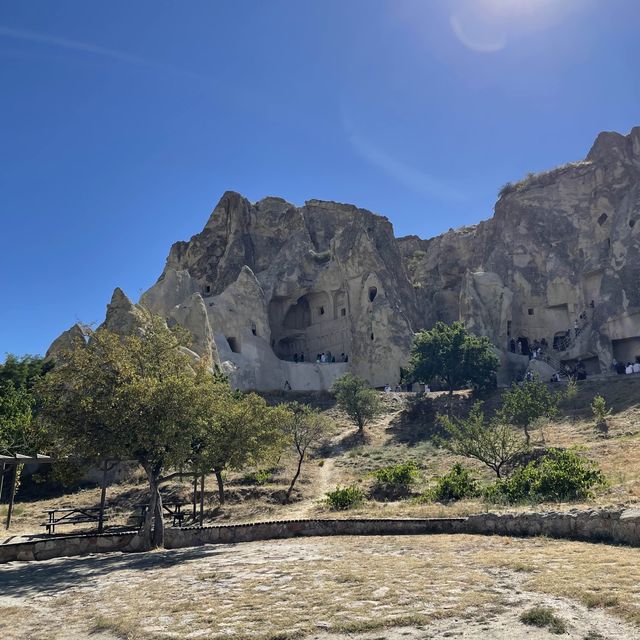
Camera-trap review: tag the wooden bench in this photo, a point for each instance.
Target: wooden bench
(71, 515)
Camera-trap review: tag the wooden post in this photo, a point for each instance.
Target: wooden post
(195, 495)
(1, 481)
(103, 497)
(12, 494)
(201, 499)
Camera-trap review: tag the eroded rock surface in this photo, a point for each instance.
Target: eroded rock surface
(265, 283)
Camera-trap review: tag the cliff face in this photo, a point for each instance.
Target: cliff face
(280, 281)
(561, 245)
(265, 283)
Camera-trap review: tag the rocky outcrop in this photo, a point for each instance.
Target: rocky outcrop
(267, 283)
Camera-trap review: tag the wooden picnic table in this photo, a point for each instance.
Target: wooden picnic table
(71, 515)
(173, 509)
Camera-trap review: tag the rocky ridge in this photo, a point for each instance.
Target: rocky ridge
(265, 283)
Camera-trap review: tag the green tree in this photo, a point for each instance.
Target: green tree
(23, 371)
(451, 353)
(305, 428)
(523, 404)
(132, 398)
(600, 413)
(237, 430)
(361, 403)
(16, 404)
(493, 443)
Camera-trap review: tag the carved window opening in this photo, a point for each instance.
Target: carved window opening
(602, 219)
(254, 329)
(373, 292)
(233, 345)
(372, 336)
(530, 312)
(632, 223)
(343, 312)
(207, 288)
(321, 311)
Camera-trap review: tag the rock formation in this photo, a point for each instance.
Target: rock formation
(265, 282)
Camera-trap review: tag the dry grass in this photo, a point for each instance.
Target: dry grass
(340, 585)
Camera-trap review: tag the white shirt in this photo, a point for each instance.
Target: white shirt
(629, 369)
(636, 367)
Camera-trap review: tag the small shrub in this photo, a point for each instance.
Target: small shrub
(259, 477)
(394, 482)
(557, 476)
(397, 475)
(544, 617)
(600, 600)
(506, 189)
(342, 498)
(457, 484)
(600, 413)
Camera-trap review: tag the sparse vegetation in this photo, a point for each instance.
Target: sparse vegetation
(544, 617)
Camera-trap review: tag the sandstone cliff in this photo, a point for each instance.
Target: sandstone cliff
(265, 283)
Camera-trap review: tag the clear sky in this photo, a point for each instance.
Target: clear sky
(122, 123)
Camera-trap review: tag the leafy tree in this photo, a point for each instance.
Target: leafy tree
(238, 430)
(495, 444)
(132, 398)
(15, 418)
(453, 354)
(305, 428)
(23, 371)
(356, 399)
(527, 402)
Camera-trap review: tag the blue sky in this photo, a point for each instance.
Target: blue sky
(122, 123)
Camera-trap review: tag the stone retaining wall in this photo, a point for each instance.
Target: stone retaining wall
(616, 527)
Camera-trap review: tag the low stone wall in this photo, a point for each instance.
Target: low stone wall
(193, 536)
(62, 546)
(616, 527)
(595, 525)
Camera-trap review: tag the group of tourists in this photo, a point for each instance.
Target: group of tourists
(578, 372)
(322, 358)
(525, 348)
(625, 369)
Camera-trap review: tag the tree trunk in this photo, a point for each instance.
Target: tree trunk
(103, 497)
(220, 482)
(295, 477)
(1, 481)
(195, 497)
(153, 528)
(527, 437)
(158, 529)
(12, 493)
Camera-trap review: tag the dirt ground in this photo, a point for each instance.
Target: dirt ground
(328, 589)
